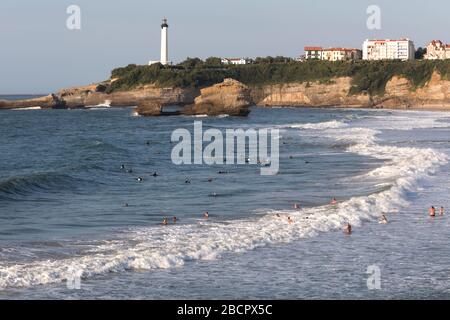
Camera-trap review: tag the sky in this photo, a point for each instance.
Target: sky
(39, 54)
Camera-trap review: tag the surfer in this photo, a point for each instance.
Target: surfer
(383, 219)
(348, 228)
(432, 211)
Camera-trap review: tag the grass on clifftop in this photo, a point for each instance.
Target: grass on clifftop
(368, 76)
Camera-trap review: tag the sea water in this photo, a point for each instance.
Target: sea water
(63, 194)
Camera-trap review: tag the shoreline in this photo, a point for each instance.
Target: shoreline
(437, 108)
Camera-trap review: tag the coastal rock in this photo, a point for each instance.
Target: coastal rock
(46, 102)
(230, 97)
(150, 108)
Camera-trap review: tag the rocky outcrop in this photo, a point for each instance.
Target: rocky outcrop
(230, 97)
(51, 101)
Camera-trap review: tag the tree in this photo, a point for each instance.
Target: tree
(420, 53)
(213, 62)
(192, 63)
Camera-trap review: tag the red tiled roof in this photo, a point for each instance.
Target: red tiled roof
(342, 49)
(313, 48)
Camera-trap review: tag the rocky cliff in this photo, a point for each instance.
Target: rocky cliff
(232, 97)
(332, 93)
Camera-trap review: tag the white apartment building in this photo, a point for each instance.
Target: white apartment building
(236, 61)
(402, 49)
(437, 50)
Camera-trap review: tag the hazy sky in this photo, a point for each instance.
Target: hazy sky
(38, 54)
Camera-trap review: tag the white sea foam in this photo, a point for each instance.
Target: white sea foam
(28, 108)
(158, 247)
(317, 126)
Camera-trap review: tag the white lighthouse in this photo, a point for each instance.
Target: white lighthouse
(164, 44)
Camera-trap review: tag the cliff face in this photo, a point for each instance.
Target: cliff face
(333, 93)
(91, 96)
(400, 94)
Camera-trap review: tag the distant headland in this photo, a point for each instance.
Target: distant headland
(206, 86)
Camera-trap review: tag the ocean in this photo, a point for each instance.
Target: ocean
(63, 193)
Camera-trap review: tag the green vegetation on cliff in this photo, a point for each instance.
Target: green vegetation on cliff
(368, 76)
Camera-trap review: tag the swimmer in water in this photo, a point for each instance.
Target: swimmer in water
(333, 202)
(130, 170)
(175, 219)
(206, 215)
(140, 179)
(165, 222)
(125, 205)
(122, 167)
(348, 228)
(290, 221)
(441, 211)
(296, 206)
(383, 219)
(187, 181)
(210, 180)
(155, 174)
(432, 211)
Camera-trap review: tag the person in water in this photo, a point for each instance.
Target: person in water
(441, 211)
(140, 179)
(432, 211)
(125, 205)
(155, 174)
(122, 167)
(296, 206)
(290, 221)
(334, 201)
(383, 219)
(348, 228)
(175, 219)
(206, 215)
(165, 222)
